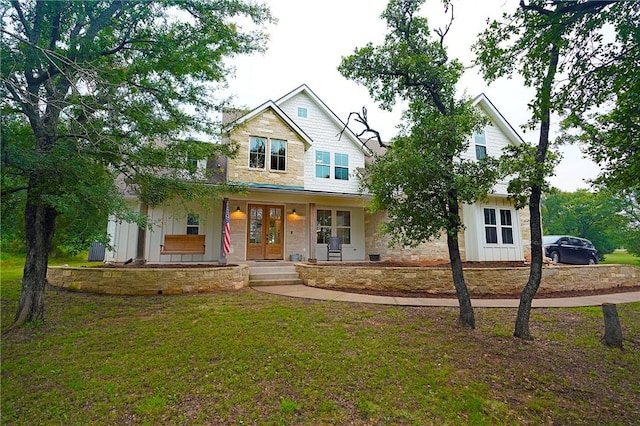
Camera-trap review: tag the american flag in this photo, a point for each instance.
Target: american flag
(226, 246)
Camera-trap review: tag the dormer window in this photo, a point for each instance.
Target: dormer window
(481, 144)
(302, 112)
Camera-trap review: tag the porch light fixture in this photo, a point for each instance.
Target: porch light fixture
(293, 211)
(238, 209)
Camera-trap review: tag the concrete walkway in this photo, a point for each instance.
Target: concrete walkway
(306, 292)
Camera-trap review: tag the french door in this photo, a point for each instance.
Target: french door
(266, 232)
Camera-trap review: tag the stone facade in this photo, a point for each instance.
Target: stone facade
(480, 281)
(377, 242)
(267, 125)
(525, 231)
(149, 281)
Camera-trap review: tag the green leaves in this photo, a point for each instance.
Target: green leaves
(599, 217)
(97, 90)
(521, 165)
(421, 179)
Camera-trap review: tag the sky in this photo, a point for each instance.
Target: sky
(310, 38)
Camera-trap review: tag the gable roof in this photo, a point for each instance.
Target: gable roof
(303, 88)
(497, 118)
(281, 114)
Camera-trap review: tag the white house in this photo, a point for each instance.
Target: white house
(302, 188)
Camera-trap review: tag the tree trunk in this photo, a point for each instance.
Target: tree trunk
(612, 329)
(467, 319)
(535, 271)
(39, 227)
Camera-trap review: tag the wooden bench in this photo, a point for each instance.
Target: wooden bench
(183, 244)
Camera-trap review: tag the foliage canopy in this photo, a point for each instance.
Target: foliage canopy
(422, 178)
(110, 98)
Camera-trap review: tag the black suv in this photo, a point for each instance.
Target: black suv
(567, 249)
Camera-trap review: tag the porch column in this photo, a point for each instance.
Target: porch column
(312, 230)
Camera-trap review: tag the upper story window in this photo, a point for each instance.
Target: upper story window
(480, 140)
(278, 154)
(302, 112)
(193, 224)
(323, 166)
(257, 153)
(492, 225)
(342, 166)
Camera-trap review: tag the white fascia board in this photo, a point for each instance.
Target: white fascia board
(283, 116)
(498, 119)
(348, 132)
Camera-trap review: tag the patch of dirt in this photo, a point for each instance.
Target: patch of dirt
(555, 294)
(427, 264)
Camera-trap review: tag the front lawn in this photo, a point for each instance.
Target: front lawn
(252, 358)
(623, 257)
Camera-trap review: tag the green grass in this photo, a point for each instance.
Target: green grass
(246, 357)
(621, 257)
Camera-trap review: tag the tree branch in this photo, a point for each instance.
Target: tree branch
(27, 30)
(447, 27)
(362, 119)
(13, 190)
(541, 10)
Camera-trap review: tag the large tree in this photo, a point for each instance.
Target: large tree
(557, 46)
(421, 180)
(611, 131)
(100, 90)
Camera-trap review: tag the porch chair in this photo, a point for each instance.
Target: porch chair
(334, 248)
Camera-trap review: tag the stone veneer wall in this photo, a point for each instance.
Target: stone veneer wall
(147, 281)
(267, 125)
(480, 281)
(377, 242)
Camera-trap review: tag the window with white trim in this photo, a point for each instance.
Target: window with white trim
(278, 155)
(323, 165)
(506, 226)
(302, 112)
(498, 228)
(333, 222)
(343, 226)
(193, 224)
(257, 152)
(341, 166)
(480, 141)
(323, 230)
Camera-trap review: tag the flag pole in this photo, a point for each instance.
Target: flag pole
(224, 230)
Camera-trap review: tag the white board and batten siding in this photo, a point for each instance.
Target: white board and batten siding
(324, 131)
(476, 247)
(165, 221)
(123, 245)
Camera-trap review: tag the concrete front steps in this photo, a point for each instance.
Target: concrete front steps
(273, 275)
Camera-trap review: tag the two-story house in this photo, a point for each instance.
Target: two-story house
(299, 168)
